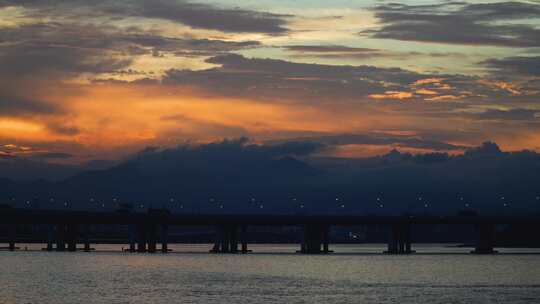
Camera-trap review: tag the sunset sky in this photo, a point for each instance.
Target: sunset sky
(100, 79)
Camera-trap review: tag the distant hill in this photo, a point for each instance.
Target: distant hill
(236, 176)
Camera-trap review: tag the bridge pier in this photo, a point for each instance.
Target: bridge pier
(151, 236)
(315, 237)
(144, 237)
(164, 234)
(86, 238)
(141, 238)
(12, 236)
(50, 238)
(60, 237)
(399, 239)
(243, 237)
(485, 239)
(132, 235)
(227, 240)
(71, 237)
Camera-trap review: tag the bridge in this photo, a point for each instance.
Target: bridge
(66, 229)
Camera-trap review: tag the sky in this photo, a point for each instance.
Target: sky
(82, 80)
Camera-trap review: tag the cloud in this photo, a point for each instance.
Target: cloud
(58, 48)
(77, 48)
(209, 17)
(512, 114)
(459, 23)
(333, 51)
(516, 66)
(381, 139)
(50, 155)
(328, 49)
(63, 129)
(196, 15)
(11, 104)
(392, 95)
(347, 52)
(269, 78)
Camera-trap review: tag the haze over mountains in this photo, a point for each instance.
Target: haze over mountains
(237, 176)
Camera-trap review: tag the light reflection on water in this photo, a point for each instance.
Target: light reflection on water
(192, 276)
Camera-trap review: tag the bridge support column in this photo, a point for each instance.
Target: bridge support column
(226, 239)
(243, 236)
(164, 238)
(141, 238)
(315, 236)
(151, 235)
(399, 239)
(60, 237)
(132, 235)
(12, 236)
(485, 239)
(86, 238)
(50, 238)
(71, 236)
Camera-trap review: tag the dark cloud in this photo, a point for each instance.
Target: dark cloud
(58, 48)
(334, 52)
(459, 23)
(346, 52)
(63, 129)
(75, 48)
(196, 15)
(382, 139)
(210, 17)
(513, 114)
(51, 155)
(328, 49)
(240, 76)
(517, 66)
(15, 105)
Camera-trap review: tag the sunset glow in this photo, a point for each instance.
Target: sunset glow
(130, 77)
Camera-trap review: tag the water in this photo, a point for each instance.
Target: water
(274, 274)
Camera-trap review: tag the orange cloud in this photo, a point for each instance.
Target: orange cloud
(498, 84)
(445, 97)
(392, 95)
(428, 81)
(426, 92)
